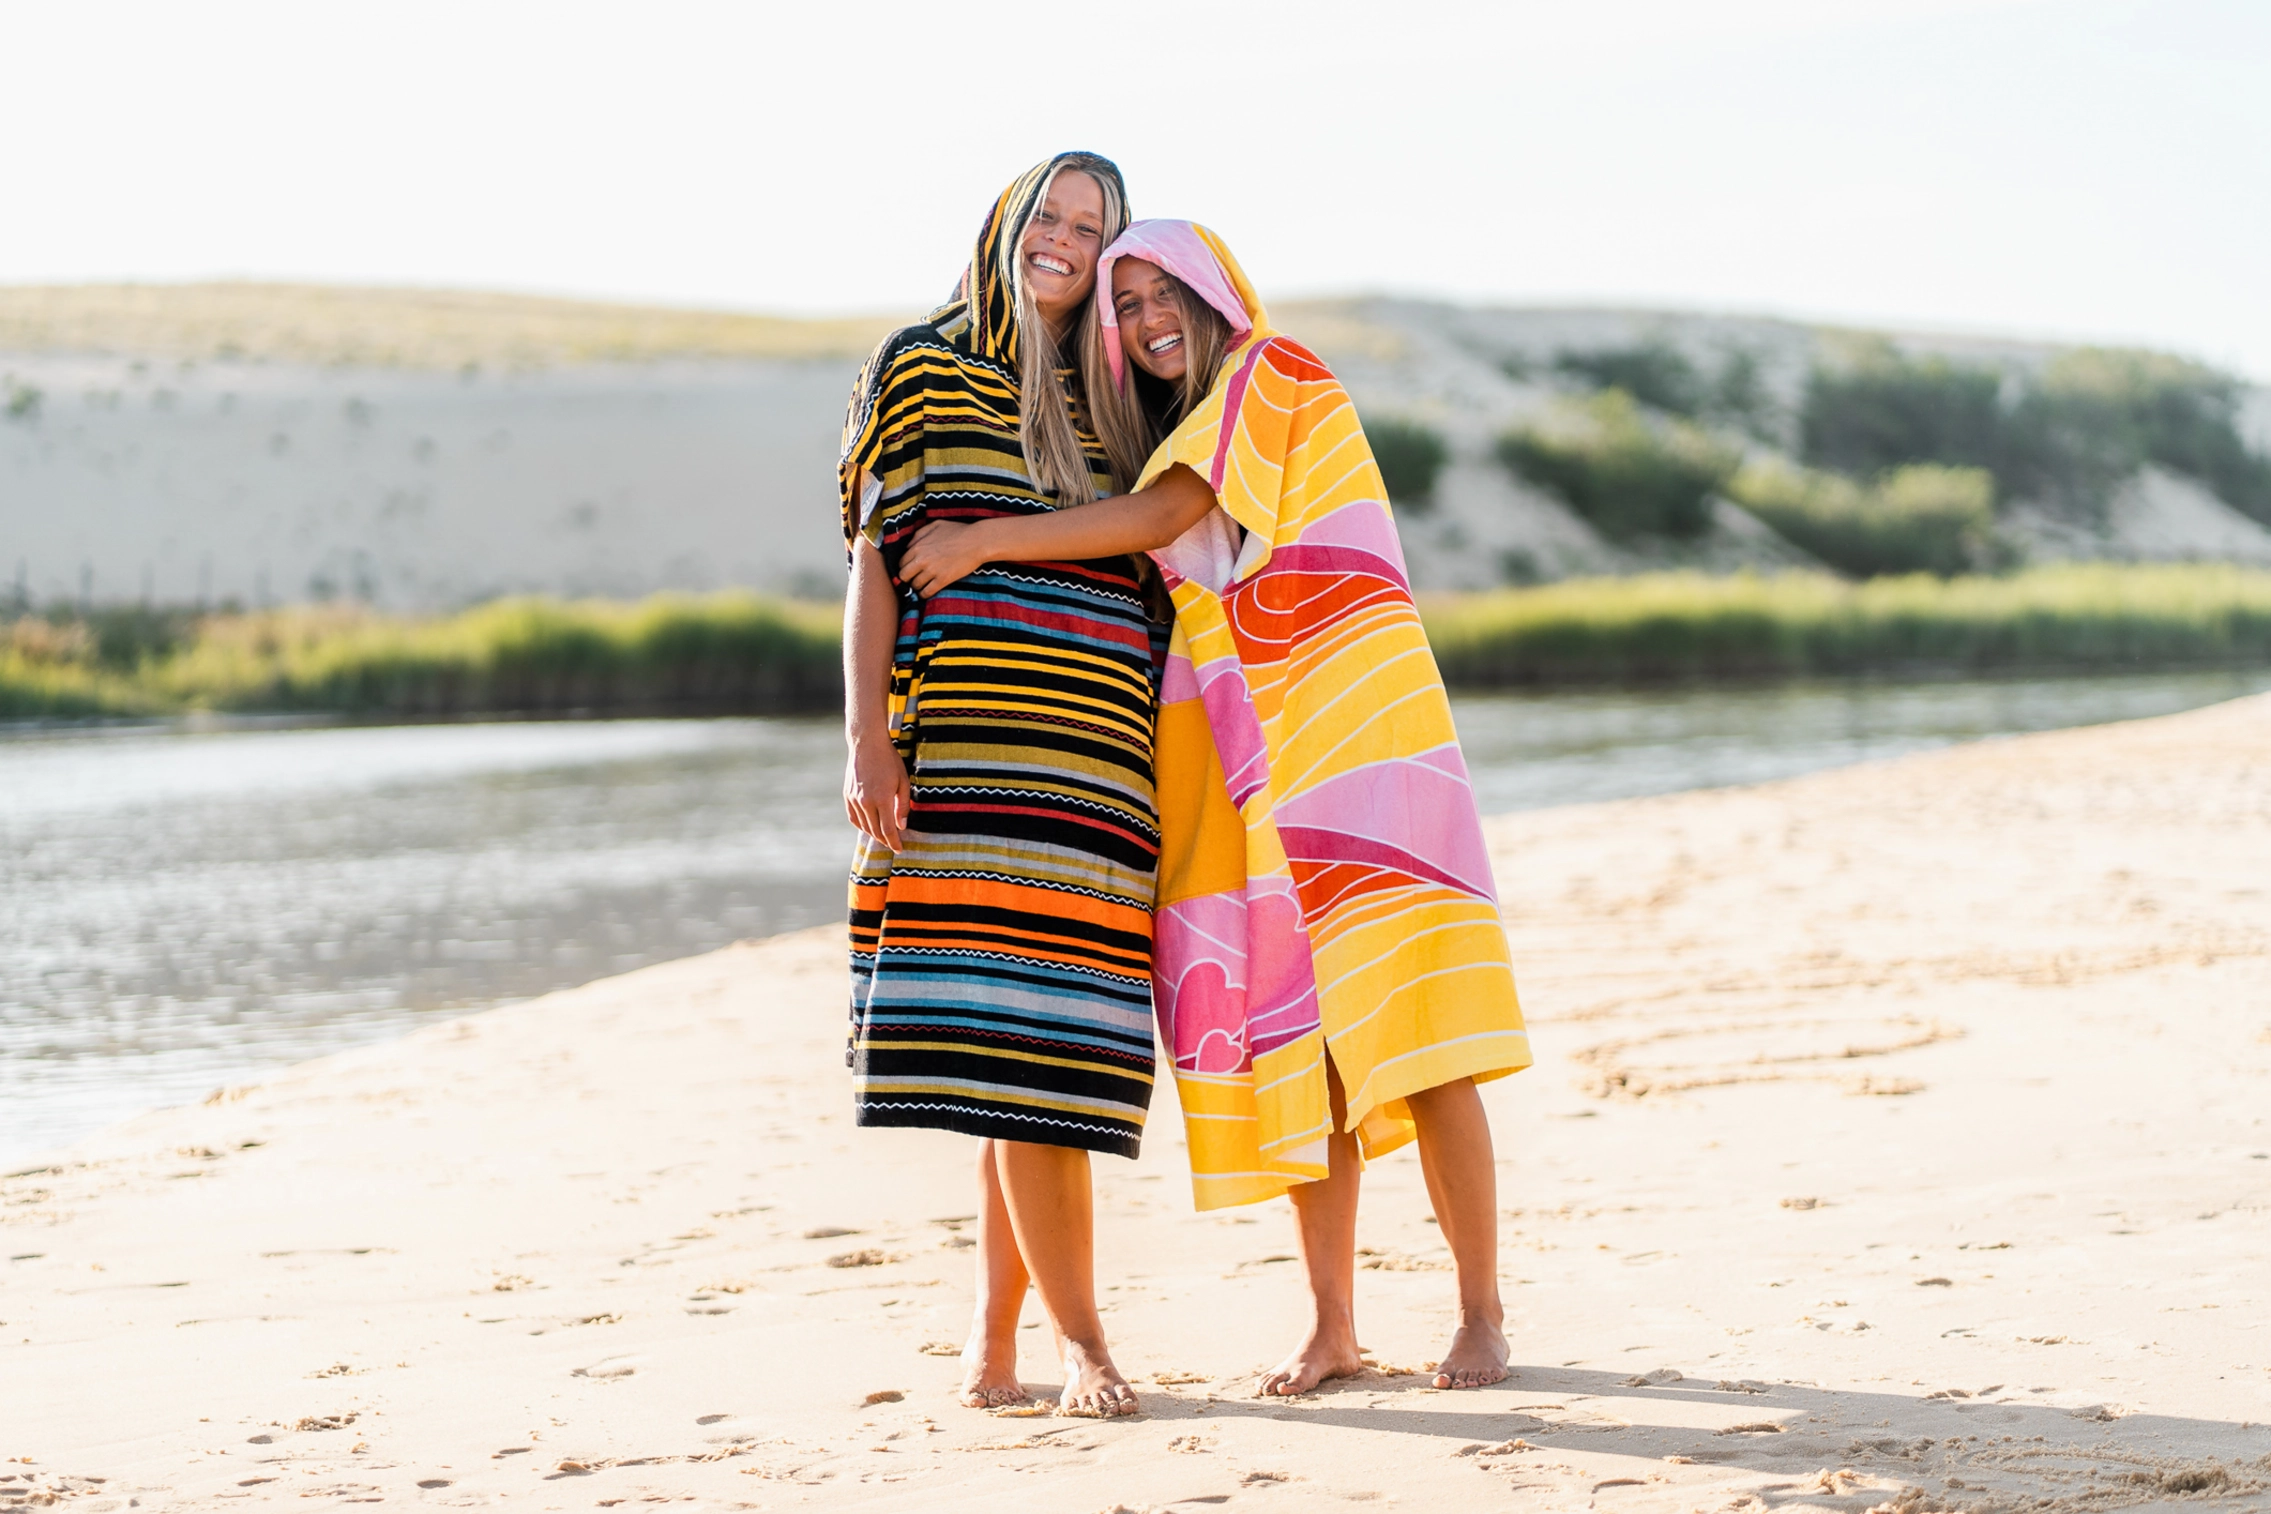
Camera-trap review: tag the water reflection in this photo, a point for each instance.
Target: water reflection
(184, 908)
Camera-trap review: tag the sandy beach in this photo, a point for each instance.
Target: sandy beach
(1901, 1136)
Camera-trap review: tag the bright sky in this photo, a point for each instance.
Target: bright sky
(2071, 168)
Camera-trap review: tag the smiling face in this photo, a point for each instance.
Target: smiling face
(1149, 307)
(1058, 252)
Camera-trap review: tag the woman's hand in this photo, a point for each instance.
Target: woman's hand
(877, 795)
(942, 553)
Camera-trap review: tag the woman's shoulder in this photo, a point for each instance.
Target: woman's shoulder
(943, 336)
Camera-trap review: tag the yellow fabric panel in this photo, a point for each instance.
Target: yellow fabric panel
(1202, 842)
(1414, 980)
(1224, 1115)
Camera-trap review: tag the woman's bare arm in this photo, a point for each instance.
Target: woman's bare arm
(944, 552)
(876, 792)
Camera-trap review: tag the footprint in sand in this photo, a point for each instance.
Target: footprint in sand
(828, 1232)
(609, 1369)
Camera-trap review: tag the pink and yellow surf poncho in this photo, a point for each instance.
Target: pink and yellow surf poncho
(1322, 877)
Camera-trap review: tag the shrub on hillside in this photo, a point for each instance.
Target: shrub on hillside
(1660, 375)
(1654, 373)
(1626, 474)
(2130, 408)
(2068, 436)
(1923, 518)
(1887, 409)
(1411, 455)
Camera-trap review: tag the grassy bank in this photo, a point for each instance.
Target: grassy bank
(716, 654)
(741, 654)
(1678, 626)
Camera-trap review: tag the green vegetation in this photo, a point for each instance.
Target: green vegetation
(1627, 473)
(1885, 409)
(1654, 373)
(736, 653)
(720, 654)
(1411, 454)
(2068, 435)
(1923, 518)
(1660, 375)
(1680, 626)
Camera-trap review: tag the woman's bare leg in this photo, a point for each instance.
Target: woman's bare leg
(1326, 1214)
(989, 1358)
(1461, 1168)
(1052, 1209)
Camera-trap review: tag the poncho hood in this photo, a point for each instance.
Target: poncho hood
(1196, 256)
(989, 284)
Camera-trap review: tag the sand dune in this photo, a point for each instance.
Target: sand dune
(424, 449)
(1901, 1138)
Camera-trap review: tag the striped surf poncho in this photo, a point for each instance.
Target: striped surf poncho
(1001, 959)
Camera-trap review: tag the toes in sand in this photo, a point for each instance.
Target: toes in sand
(1325, 1354)
(1094, 1388)
(1477, 1357)
(989, 1373)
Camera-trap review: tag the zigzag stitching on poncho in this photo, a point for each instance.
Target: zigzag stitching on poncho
(1000, 1111)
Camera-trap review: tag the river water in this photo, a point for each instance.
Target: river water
(181, 908)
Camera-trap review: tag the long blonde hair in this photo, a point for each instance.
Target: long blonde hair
(1054, 456)
(1125, 425)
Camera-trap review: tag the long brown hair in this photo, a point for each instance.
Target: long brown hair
(1130, 429)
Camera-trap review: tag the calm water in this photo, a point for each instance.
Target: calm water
(180, 909)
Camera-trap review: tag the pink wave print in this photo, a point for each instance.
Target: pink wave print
(1232, 977)
(1331, 560)
(1363, 525)
(1179, 682)
(1238, 741)
(1413, 814)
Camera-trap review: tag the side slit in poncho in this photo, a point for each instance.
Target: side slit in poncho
(1323, 879)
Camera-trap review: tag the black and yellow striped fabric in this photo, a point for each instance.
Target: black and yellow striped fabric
(1001, 961)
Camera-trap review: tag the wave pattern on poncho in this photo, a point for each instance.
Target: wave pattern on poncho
(1323, 877)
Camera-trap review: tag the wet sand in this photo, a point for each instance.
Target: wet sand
(1901, 1136)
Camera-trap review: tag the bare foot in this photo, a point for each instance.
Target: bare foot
(1329, 1351)
(1477, 1357)
(1093, 1387)
(989, 1373)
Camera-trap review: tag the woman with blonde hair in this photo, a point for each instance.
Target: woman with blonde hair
(1000, 775)
(1331, 973)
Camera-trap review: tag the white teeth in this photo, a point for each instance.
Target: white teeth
(1167, 343)
(1042, 261)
